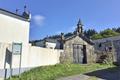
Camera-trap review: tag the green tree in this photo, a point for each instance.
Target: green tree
(90, 32)
(96, 36)
(108, 33)
(118, 29)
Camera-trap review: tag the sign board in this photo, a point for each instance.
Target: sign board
(17, 48)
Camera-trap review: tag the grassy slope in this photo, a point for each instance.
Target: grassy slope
(59, 70)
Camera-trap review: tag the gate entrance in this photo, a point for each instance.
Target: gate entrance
(79, 53)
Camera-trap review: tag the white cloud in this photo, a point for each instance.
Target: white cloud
(38, 20)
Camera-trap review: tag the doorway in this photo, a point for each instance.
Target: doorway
(79, 53)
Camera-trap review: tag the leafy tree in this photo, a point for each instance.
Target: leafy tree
(114, 29)
(68, 34)
(90, 32)
(118, 30)
(108, 33)
(96, 36)
(53, 37)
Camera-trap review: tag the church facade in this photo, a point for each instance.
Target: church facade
(77, 48)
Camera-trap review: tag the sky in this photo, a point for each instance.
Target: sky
(50, 17)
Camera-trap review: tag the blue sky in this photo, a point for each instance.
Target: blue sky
(51, 17)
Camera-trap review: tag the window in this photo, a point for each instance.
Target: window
(51, 47)
(100, 45)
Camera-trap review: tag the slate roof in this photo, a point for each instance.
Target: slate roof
(81, 36)
(11, 14)
(52, 40)
(47, 40)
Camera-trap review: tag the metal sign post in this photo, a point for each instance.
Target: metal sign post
(17, 50)
(11, 63)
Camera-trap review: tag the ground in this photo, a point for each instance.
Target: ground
(104, 74)
(60, 71)
(79, 77)
(1, 79)
(107, 74)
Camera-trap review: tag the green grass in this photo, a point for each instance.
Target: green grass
(59, 70)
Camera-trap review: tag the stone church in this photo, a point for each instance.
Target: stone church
(77, 48)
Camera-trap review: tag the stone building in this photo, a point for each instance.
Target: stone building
(109, 45)
(77, 48)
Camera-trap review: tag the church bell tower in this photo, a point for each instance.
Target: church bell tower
(79, 29)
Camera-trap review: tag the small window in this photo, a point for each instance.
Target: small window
(100, 45)
(110, 48)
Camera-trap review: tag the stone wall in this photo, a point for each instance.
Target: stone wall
(68, 50)
(109, 46)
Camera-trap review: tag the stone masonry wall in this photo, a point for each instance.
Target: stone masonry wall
(68, 49)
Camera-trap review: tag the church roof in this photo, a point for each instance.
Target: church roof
(11, 14)
(46, 40)
(51, 40)
(81, 36)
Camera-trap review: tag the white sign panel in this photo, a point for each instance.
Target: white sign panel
(17, 48)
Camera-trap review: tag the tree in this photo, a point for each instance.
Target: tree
(104, 34)
(118, 30)
(68, 34)
(108, 33)
(90, 32)
(96, 36)
(114, 29)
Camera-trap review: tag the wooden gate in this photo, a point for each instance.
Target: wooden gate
(78, 53)
(116, 48)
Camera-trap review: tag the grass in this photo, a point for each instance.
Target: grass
(59, 70)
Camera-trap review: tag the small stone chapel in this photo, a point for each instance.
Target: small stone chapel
(77, 48)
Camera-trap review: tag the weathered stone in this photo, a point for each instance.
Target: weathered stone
(68, 57)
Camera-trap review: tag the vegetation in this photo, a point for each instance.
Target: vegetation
(105, 34)
(91, 33)
(59, 70)
(96, 36)
(108, 33)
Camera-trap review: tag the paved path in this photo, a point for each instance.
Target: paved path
(80, 77)
(105, 74)
(1, 79)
